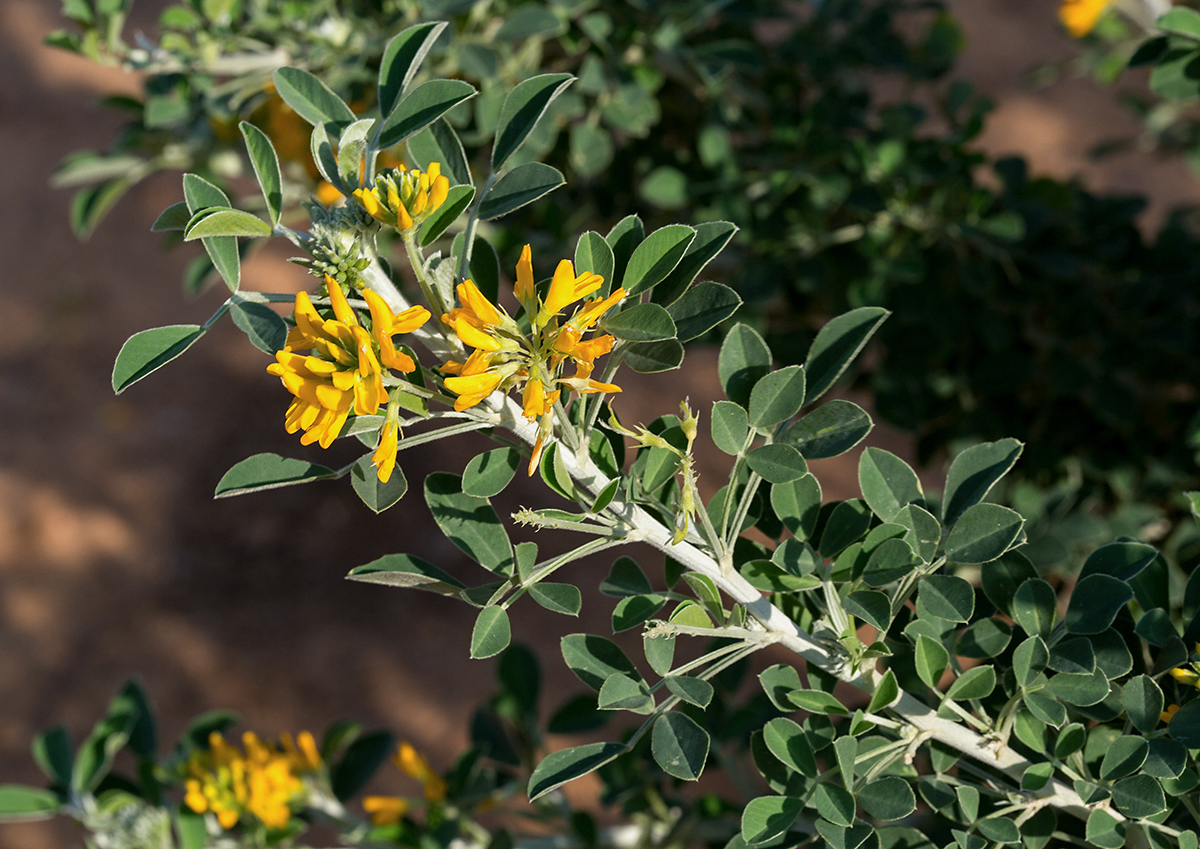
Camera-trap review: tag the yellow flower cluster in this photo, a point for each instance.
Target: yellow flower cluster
(343, 369)
(263, 781)
(402, 198)
(505, 357)
(385, 810)
(1080, 16)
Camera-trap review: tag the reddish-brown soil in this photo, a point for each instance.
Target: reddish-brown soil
(114, 559)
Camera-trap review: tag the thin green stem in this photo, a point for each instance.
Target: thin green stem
(432, 296)
(464, 261)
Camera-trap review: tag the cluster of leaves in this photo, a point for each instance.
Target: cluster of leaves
(1036, 310)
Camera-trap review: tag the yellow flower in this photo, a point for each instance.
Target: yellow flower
(385, 810)
(401, 198)
(327, 194)
(411, 762)
(505, 357)
(1169, 713)
(384, 458)
(344, 369)
(1080, 16)
(263, 782)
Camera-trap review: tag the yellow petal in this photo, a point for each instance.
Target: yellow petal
(341, 308)
(409, 320)
(562, 289)
(384, 458)
(385, 810)
(525, 290)
(474, 300)
(439, 189)
(471, 335)
(475, 384)
(592, 310)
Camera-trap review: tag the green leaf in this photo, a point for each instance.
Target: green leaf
(776, 397)
(150, 350)
(1121, 560)
(268, 471)
(19, 803)
(91, 203)
(1104, 831)
(593, 659)
(404, 570)
(635, 610)
(1185, 724)
(440, 143)
(625, 579)
(743, 361)
(488, 473)
(701, 308)
(984, 638)
(976, 683)
(924, 533)
(492, 632)
(623, 238)
(817, 701)
(1124, 756)
(730, 427)
(871, 606)
(830, 430)
(888, 798)
(885, 694)
(836, 346)
(931, 660)
(679, 745)
(835, 804)
(1033, 607)
(711, 239)
(52, 751)
(983, 532)
(266, 167)
(1095, 603)
(1074, 656)
(193, 834)
(768, 817)
(469, 522)
(261, 324)
(208, 223)
(660, 652)
(1143, 702)
(524, 107)
(640, 323)
(374, 493)
(788, 742)
(624, 692)
(560, 598)
(1139, 796)
(313, 101)
(889, 561)
(999, 830)
(1180, 21)
(798, 505)
(973, 474)
(457, 200)
(518, 187)
(593, 254)
(1029, 660)
(174, 217)
(656, 257)
(847, 524)
(777, 463)
(1044, 709)
(401, 58)
(1080, 690)
(694, 691)
(948, 597)
(95, 756)
(777, 682)
(361, 761)
(654, 357)
(888, 483)
(421, 107)
(568, 764)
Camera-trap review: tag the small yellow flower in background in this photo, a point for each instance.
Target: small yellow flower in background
(343, 370)
(1186, 676)
(385, 810)
(1080, 16)
(1169, 713)
(263, 781)
(505, 358)
(327, 193)
(412, 762)
(402, 198)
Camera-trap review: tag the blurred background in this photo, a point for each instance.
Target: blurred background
(115, 560)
